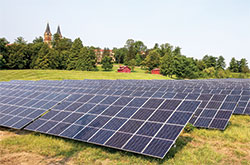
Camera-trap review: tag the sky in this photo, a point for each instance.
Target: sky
(199, 27)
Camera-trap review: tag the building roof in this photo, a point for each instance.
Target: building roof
(47, 31)
(58, 31)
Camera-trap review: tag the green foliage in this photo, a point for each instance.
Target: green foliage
(120, 54)
(243, 66)
(220, 63)
(86, 59)
(167, 64)
(107, 63)
(220, 73)
(152, 60)
(134, 48)
(20, 40)
(74, 54)
(210, 72)
(19, 56)
(2, 62)
(200, 65)
(106, 52)
(47, 58)
(210, 61)
(189, 128)
(38, 40)
(233, 66)
(132, 64)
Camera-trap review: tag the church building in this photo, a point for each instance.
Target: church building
(48, 34)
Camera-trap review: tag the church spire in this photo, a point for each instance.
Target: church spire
(47, 31)
(59, 31)
(47, 35)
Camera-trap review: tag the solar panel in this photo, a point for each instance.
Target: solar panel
(141, 116)
(141, 122)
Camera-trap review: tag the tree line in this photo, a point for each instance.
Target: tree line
(62, 53)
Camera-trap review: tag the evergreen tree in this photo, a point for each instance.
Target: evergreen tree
(233, 66)
(220, 63)
(47, 58)
(86, 59)
(243, 66)
(75, 50)
(107, 63)
(18, 56)
(2, 62)
(167, 64)
(210, 61)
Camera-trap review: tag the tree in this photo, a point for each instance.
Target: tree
(132, 64)
(209, 71)
(210, 61)
(2, 62)
(152, 60)
(201, 65)
(107, 63)
(19, 56)
(47, 58)
(86, 59)
(38, 40)
(131, 50)
(120, 54)
(220, 64)
(61, 44)
(106, 52)
(233, 66)
(20, 40)
(74, 54)
(167, 65)
(3, 52)
(243, 66)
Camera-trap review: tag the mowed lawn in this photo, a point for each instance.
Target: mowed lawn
(6, 75)
(200, 146)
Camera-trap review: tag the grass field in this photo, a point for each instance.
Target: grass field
(6, 75)
(200, 146)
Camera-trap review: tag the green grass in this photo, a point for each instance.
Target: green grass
(200, 146)
(6, 75)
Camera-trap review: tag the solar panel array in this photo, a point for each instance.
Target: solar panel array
(142, 116)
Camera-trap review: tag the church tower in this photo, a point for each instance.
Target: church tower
(47, 35)
(59, 31)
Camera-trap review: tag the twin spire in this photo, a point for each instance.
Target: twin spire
(47, 31)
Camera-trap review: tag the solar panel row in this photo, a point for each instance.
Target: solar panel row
(140, 116)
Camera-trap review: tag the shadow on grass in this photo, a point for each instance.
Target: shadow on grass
(78, 146)
(181, 142)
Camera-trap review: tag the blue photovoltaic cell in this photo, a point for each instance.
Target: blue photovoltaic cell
(149, 129)
(158, 147)
(131, 126)
(142, 116)
(153, 103)
(118, 139)
(160, 116)
(170, 104)
(115, 124)
(126, 112)
(86, 133)
(102, 136)
(71, 131)
(169, 131)
(137, 143)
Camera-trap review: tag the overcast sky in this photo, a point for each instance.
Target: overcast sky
(199, 27)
